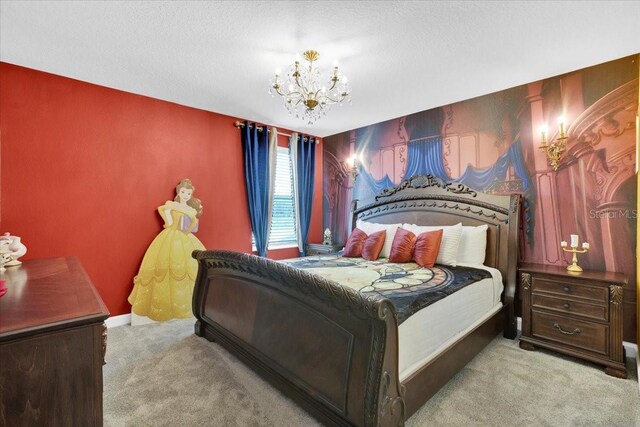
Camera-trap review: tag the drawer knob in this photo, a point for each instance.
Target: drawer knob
(574, 332)
(567, 289)
(566, 305)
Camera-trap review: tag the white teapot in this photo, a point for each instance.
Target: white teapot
(16, 247)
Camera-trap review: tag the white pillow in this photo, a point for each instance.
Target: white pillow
(448, 253)
(372, 227)
(473, 245)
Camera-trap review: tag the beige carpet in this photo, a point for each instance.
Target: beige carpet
(163, 375)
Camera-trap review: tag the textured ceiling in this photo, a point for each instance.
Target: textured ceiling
(400, 57)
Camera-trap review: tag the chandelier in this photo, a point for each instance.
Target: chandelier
(305, 95)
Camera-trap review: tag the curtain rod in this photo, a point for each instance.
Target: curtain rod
(240, 125)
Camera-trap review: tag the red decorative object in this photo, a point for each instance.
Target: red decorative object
(403, 244)
(427, 247)
(373, 245)
(355, 243)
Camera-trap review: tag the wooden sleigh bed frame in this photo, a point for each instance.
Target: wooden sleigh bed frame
(334, 350)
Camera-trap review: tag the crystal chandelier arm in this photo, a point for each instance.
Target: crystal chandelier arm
(342, 97)
(335, 79)
(276, 87)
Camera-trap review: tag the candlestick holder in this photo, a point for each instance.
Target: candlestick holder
(574, 267)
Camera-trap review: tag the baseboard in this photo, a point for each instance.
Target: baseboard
(631, 349)
(113, 321)
(638, 369)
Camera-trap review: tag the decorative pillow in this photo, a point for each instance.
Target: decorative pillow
(355, 243)
(426, 247)
(402, 247)
(473, 245)
(373, 245)
(372, 227)
(450, 240)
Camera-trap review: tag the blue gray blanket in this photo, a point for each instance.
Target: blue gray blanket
(408, 286)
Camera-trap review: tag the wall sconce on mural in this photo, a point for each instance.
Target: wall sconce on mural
(555, 148)
(352, 165)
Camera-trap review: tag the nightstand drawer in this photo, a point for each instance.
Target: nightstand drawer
(564, 305)
(570, 332)
(594, 293)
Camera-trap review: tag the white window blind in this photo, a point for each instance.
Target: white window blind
(283, 224)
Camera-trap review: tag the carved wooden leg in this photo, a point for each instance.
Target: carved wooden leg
(510, 325)
(197, 328)
(104, 343)
(618, 373)
(527, 346)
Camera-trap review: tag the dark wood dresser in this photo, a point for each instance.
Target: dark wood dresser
(579, 314)
(52, 345)
(320, 249)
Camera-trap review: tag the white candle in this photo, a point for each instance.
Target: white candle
(561, 123)
(543, 134)
(585, 245)
(574, 240)
(563, 243)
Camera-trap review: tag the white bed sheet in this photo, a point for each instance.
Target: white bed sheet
(428, 332)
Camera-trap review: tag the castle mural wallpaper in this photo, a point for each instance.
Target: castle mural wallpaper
(491, 143)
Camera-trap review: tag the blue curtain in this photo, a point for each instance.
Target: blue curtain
(255, 147)
(425, 156)
(482, 179)
(305, 164)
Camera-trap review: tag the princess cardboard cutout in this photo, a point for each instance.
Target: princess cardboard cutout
(163, 288)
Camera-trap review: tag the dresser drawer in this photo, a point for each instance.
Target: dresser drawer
(565, 305)
(570, 332)
(593, 293)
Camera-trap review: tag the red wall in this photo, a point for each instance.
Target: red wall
(84, 167)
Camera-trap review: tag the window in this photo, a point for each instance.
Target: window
(283, 224)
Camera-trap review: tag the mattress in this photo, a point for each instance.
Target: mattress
(425, 334)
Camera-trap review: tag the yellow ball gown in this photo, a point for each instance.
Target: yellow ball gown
(163, 288)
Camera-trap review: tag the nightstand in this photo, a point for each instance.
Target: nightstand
(320, 249)
(579, 314)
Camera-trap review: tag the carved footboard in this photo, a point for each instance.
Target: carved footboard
(326, 346)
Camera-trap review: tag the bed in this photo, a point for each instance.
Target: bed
(336, 350)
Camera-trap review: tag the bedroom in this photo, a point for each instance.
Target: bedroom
(105, 107)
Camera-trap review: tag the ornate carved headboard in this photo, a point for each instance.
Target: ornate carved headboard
(427, 200)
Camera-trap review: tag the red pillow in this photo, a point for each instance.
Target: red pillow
(355, 243)
(402, 247)
(426, 248)
(373, 245)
